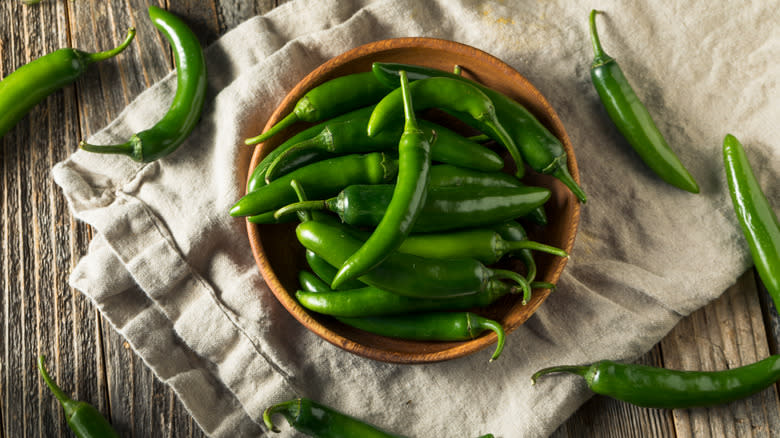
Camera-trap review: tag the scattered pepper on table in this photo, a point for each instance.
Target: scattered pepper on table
(31, 83)
(184, 113)
(756, 217)
(632, 118)
(83, 419)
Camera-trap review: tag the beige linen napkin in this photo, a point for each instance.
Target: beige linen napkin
(173, 272)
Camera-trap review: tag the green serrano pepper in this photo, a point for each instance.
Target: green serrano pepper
(177, 124)
(321, 421)
(461, 98)
(257, 178)
(652, 387)
(323, 178)
(540, 149)
(437, 326)
(83, 419)
(372, 301)
(756, 217)
(332, 98)
(350, 137)
(409, 192)
(406, 274)
(31, 83)
(445, 208)
(632, 118)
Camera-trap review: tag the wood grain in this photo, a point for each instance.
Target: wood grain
(40, 243)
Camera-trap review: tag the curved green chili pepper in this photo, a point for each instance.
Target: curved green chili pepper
(83, 419)
(632, 118)
(406, 274)
(540, 149)
(177, 124)
(334, 97)
(445, 208)
(257, 179)
(450, 94)
(651, 387)
(411, 188)
(323, 178)
(756, 217)
(321, 421)
(485, 245)
(443, 326)
(31, 83)
(350, 137)
(372, 301)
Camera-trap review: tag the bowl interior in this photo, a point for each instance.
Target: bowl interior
(280, 257)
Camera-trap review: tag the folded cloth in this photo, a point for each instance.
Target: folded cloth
(174, 274)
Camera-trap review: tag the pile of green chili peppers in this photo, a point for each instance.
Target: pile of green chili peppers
(419, 213)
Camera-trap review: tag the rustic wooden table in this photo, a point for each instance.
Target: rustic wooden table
(41, 243)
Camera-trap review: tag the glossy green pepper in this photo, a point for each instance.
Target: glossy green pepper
(323, 178)
(435, 326)
(461, 98)
(756, 217)
(632, 118)
(184, 113)
(257, 178)
(406, 202)
(445, 208)
(350, 137)
(406, 274)
(652, 387)
(331, 98)
(83, 419)
(539, 148)
(372, 301)
(31, 83)
(317, 420)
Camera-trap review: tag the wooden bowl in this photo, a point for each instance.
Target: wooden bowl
(280, 257)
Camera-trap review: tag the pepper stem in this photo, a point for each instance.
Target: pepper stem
(530, 265)
(99, 56)
(292, 153)
(303, 215)
(457, 69)
(289, 409)
(573, 369)
(482, 324)
(563, 175)
(300, 206)
(519, 279)
(127, 148)
(68, 404)
(599, 56)
(508, 246)
(410, 121)
(288, 120)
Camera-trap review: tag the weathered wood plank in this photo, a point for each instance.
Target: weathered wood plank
(725, 334)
